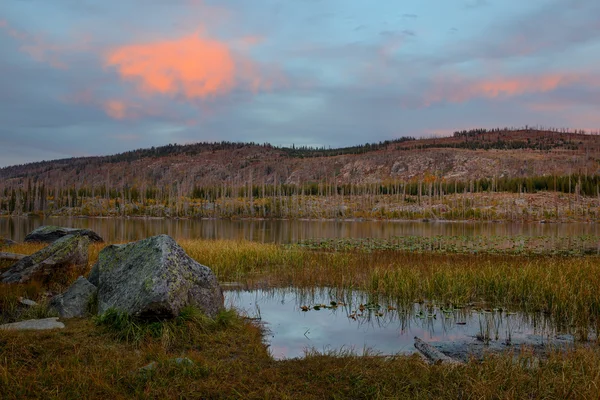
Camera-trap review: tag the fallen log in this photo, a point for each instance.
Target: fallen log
(433, 355)
(11, 256)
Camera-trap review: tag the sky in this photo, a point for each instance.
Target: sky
(82, 77)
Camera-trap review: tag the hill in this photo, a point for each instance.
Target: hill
(497, 160)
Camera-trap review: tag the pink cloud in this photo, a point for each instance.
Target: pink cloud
(192, 66)
(116, 109)
(460, 89)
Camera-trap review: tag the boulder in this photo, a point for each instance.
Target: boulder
(34, 324)
(68, 252)
(50, 234)
(154, 278)
(75, 302)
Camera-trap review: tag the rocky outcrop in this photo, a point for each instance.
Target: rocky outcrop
(34, 324)
(153, 278)
(71, 251)
(76, 301)
(50, 234)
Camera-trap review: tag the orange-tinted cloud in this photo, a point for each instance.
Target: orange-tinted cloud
(116, 109)
(40, 50)
(192, 66)
(459, 90)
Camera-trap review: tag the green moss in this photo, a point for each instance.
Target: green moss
(148, 284)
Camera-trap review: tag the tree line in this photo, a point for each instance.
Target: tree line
(323, 199)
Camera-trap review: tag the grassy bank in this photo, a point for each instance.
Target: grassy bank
(230, 361)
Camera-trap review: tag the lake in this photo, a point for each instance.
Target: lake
(284, 231)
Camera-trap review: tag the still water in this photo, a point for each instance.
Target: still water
(322, 320)
(282, 231)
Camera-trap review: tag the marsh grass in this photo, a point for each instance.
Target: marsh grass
(102, 358)
(564, 288)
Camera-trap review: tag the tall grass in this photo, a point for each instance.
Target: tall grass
(566, 288)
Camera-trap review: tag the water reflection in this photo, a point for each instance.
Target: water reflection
(280, 231)
(325, 319)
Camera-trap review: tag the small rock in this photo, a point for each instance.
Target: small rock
(34, 324)
(50, 234)
(149, 367)
(27, 302)
(182, 361)
(74, 303)
(69, 251)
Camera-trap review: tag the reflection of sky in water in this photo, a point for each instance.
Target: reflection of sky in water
(291, 331)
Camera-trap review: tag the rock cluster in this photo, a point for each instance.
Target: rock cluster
(152, 278)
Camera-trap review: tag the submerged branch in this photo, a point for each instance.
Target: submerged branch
(433, 355)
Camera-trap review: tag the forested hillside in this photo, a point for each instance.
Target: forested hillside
(447, 177)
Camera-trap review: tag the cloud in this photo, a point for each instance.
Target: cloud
(39, 49)
(460, 89)
(116, 109)
(192, 66)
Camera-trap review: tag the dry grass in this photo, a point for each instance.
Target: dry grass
(90, 360)
(232, 362)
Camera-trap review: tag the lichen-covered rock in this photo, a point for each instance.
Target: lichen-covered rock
(50, 234)
(34, 324)
(153, 278)
(75, 302)
(68, 252)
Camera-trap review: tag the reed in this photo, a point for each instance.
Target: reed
(565, 288)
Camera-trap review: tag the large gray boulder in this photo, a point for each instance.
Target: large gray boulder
(75, 302)
(68, 252)
(154, 278)
(50, 234)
